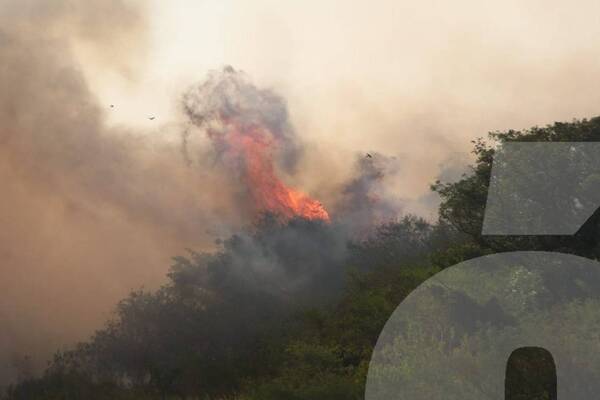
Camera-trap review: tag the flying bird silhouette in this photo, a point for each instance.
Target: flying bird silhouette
(151, 118)
(369, 156)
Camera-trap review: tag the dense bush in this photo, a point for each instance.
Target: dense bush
(292, 311)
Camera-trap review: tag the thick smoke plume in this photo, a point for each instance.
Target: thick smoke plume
(90, 212)
(366, 200)
(249, 128)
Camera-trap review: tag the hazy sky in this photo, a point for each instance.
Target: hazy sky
(415, 79)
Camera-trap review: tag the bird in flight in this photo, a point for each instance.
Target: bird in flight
(151, 118)
(369, 156)
(112, 106)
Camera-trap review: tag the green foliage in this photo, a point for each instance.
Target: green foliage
(305, 328)
(463, 202)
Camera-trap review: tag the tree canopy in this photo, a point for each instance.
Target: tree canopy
(293, 310)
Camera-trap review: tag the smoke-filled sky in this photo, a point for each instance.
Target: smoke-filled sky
(95, 200)
(418, 79)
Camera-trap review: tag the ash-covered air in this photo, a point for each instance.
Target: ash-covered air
(90, 211)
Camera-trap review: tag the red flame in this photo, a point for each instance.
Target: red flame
(253, 147)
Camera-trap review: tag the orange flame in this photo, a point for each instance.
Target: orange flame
(254, 147)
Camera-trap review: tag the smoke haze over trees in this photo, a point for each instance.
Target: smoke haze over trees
(91, 211)
(293, 308)
(271, 295)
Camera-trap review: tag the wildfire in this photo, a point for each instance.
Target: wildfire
(252, 147)
(247, 125)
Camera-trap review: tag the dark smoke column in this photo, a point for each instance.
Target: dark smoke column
(248, 126)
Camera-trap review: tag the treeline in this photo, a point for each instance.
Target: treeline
(291, 311)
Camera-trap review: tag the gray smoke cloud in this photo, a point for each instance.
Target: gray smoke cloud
(366, 200)
(88, 212)
(253, 139)
(229, 95)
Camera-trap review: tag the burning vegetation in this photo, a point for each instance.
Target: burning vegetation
(248, 128)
